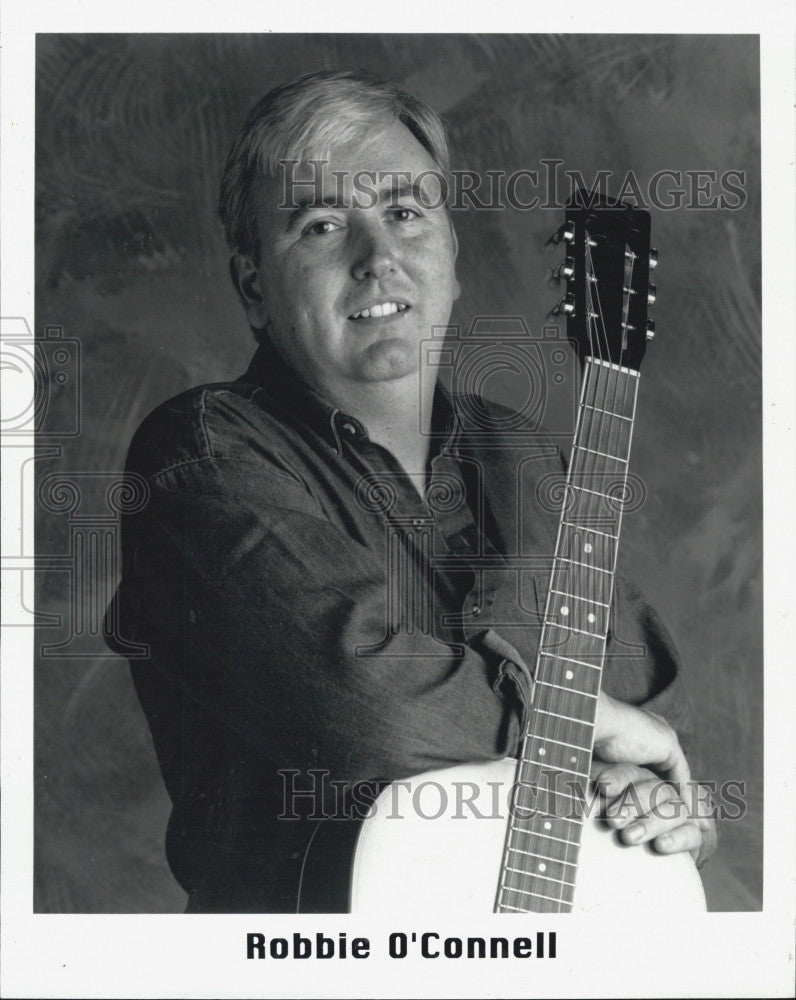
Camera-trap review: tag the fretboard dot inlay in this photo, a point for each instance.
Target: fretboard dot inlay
(565, 610)
(591, 618)
(542, 867)
(548, 826)
(587, 547)
(569, 675)
(542, 751)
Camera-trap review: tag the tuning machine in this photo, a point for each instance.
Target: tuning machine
(652, 257)
(564, 233)
(650, 329)
(566, 307)
(564, 270)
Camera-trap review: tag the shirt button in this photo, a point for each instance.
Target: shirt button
(475, 610)
(349, 428)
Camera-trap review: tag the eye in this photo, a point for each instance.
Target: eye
(403, 214)
(321, 227)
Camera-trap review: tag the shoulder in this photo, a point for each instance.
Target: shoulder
(217, 422)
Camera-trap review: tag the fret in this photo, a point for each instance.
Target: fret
(569, 659)
(584, 542)
(567, 703)
(610, 413)
(538, 908)
(587, 618)
(549, 767)
(611, 437)
(579, 644)
(610, 389)
(541, 825)
(557, 754)
(586, 508)
(571, 580)
(558, 715)
(566, 676)
(573, 746)
(574, 562)
(559, 769)
(562, 687)
(548, 836)
(576, 597)
(566, 729)
(544, 857)
(602, 454)
(612, 366)
(595, 493)
(535, 895)
(589, 531)
(571, 628)
(537, 874)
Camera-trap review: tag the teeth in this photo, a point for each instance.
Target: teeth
(385, 309)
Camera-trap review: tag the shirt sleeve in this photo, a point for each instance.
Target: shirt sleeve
(264, 612)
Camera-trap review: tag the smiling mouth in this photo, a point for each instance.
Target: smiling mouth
(383, 309)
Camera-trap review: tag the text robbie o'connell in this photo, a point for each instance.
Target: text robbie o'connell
(401, 944)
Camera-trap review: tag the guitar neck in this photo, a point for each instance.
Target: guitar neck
(544, 833)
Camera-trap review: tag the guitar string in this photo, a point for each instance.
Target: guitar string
(559, 730)
(611, 448)
(548, 727)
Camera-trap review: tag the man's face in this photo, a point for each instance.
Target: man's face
(348, 292)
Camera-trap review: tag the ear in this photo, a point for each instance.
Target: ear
(248, 284)
(456, 286)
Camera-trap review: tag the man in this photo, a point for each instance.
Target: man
(283, 573)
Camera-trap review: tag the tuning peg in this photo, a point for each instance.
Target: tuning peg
(565, 233)
(566, 307)
(653, 258)
(650, 329)
(566, 268)
(652, 294)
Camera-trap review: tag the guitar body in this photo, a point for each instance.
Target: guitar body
(410, 860)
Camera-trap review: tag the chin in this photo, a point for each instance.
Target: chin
(388, 360)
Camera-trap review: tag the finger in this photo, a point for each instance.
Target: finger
(676, 765)
(687, 837)
(646, 798)
(667, 819)
(611, 780)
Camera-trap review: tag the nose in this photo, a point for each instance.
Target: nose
(374, 255)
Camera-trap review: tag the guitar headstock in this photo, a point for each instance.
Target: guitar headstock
(607, 269)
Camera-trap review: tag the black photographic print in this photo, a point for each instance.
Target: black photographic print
(381, 546)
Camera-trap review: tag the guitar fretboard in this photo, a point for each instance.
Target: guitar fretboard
(548, 806)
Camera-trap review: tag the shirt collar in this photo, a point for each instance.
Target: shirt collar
(269, 372)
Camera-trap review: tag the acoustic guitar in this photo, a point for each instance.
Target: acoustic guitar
(525, 835)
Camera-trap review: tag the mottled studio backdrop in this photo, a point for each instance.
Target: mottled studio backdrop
(130, 262)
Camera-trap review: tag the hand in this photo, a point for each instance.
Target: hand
(669, 813)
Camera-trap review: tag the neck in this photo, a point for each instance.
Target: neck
(397, 415)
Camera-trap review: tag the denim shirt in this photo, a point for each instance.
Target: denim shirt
(312, 615)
